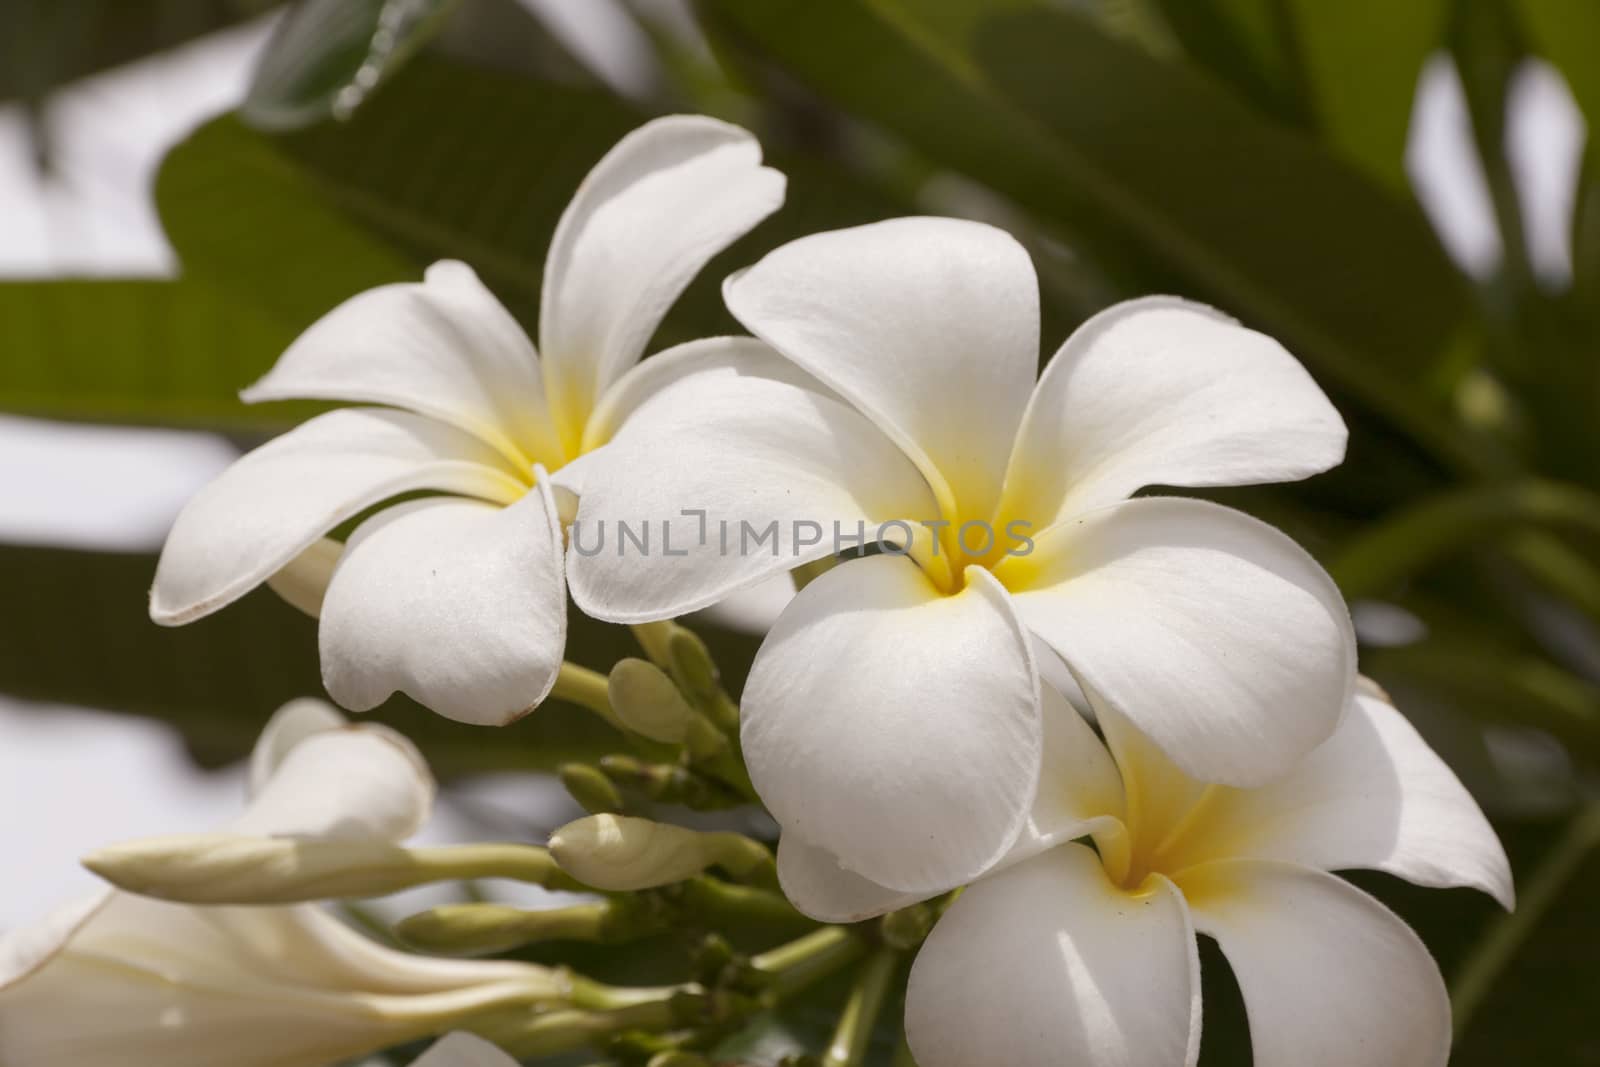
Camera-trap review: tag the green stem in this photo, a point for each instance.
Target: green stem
(587, 689)
(1447, 522)
(854, 1032)
(654, 638)
(804, 960)
(1508, 933)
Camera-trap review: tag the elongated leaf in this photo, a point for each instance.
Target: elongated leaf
(1113, 145)
(84, 639)
(446, 162)
(244, 218)
(170, 353)
(326, 56)
(1360, 60)
(44, 43)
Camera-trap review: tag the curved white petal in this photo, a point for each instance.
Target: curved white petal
(1161, 391)
(291, 724)
(26, 949)
(668, 197)
(1080, 788)
(1048, 964)
(896, 727)
(1373, 795)
(457, 604)
(464, 1050)
(303, 581)
(815, 884)
(649, 380)
(1215, 634)
(930, 326)
(730, 457)
(356, 782)
(277, 501)
(444, 347)
(1330, 977)
(149, 982)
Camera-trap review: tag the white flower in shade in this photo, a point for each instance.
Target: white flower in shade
(891, 717)
(1068, 953)
(119, 979)
(457, 598)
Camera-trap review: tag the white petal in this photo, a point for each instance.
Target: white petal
(667, 198)
(357, 782)
(1374, 795)
(748, 453)
(1330, 977)
(1214, 633)
(150, 982)
(303, 581)
(1049, 964)
(464, 1050)
(26, 949)
(896, 727)
(815, 884)
(291, 724)
(278, 500)
(1080, 788)
(1161, 391)
(648, 381)
(930, 326)
(459, 605)
(444, 348)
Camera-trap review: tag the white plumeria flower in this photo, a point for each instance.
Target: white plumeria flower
(458, 598)
(891, 716)
(118, 979)
(1072, 954)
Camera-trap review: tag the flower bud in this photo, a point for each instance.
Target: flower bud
(484, 929)
(243, 869)
(618, 852)
(648, 702)
(590, 788)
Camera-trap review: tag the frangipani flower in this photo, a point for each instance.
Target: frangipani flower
(458, 598)
(119, 979)
(1073, 954)
(891, 717)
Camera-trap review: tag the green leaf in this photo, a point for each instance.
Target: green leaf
(244, 217)
(447, 162)
(327, 56)
(1360, 60)
(84, 639)
(44, 43)
(1121, 150)
(168, 353)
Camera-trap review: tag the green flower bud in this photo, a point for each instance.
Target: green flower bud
(617, 852)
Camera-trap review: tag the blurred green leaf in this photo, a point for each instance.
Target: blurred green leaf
(326, 56)
(45, 43)
(448, 161)
(153, 352)
(248, 220)
(1117, 148)
(1360, 60)
(85, 640)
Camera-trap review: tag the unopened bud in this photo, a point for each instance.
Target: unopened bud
(617, 852)
(486, 929)
(692, 665)
(242, 869)
(666, 782)
(590, 788)
(648, 702)
(238, 869)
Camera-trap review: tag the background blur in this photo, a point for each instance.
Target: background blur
(1403, 193)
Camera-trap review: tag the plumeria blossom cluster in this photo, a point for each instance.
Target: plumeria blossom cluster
(1050, 711)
